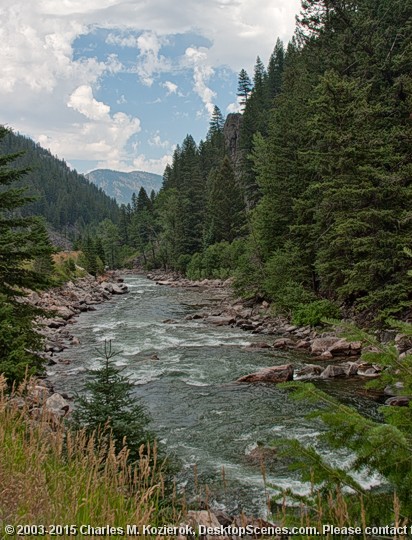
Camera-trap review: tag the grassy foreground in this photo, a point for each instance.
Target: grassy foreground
(51, 476)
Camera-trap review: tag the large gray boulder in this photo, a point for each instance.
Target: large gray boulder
(310, 371)
(333, 371)
(57, 405)
(275, 374)
(120, 288)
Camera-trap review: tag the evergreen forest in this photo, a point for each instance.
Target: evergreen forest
(305, 196)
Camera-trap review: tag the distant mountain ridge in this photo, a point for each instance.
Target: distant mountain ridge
(122, 185)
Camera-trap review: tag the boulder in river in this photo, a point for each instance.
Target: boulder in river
(220, 320)
(310, 371)
(320, 345)
(120, 288)
(283, 343)
(328, 347)
(333, 371)
(106, 286)
(340, 347)
(275, 374)
(259, 345)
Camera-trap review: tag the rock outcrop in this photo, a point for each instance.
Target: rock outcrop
(231, 133)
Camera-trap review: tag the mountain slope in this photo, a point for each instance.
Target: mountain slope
(66, 199)
(122, 185)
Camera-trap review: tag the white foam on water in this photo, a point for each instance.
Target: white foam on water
(74, 371)
(131, 351)
(144, 380)
(111, 336)
(121, 363)
(94, 363)
(111, 325)
(190, 382)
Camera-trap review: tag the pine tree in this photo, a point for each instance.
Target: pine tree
(110, 408)
(193, 192)
(171, 207)
(110, 239)
(143, 229)
(216, 123)
(91, 261)
(225, 206)
(244, 87)
(25, 252)
(359, 222)
(275, 71)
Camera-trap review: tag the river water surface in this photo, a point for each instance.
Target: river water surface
(209, 422)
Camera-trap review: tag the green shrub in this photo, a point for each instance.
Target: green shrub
(194, 268)
(286, 282)
(315, 312)
(70, 265)
(217, 261)
(183, 262)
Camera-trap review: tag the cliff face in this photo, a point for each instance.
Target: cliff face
(231, 131)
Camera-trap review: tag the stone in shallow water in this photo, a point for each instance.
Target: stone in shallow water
(309, 371)
(220, 321)
(333, 371)
(275, 374)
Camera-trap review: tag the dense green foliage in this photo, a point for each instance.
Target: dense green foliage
(334, 167)
(65, 199)
(200, 204)
(25, 262)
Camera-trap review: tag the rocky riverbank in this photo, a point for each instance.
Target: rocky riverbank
(65, 303)
(332, 355)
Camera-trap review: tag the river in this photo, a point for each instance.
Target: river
(210, 423)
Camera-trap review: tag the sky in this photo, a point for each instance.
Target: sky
(118, 84)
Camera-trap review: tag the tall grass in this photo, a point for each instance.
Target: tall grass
(49, 475)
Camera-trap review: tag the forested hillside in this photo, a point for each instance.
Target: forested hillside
(315, 201)
(64, 198)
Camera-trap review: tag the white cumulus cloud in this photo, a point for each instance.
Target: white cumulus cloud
(82, 100)
(100, 136)
(142, 163)
(47, 90)
(156, 140)
(150, 62)
(171, 87)
(202, 71)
